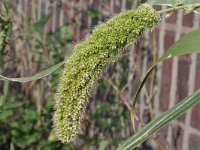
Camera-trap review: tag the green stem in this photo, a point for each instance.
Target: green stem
(141, 85)
(194, 6)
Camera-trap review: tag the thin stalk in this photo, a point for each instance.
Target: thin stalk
(141, 85)
(168, 10)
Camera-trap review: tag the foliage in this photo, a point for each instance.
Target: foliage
(22, 125)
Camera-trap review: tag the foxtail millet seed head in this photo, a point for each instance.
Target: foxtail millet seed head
(89, 58)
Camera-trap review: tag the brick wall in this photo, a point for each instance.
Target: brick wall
(178, 78)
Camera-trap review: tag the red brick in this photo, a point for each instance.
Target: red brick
(177, 137)
(197, 83)
(183, 77)
(194, 142)
(117, 6)
(166, 73)
(165, 84)
(129, 4)
(172, 18)
(188, 20)
(169, 39)
(195, 121)
(161, 138)
(95, 5)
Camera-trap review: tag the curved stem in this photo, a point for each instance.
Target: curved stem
(194, 6)
(141, 85)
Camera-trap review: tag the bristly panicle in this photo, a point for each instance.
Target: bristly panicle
(89, 58)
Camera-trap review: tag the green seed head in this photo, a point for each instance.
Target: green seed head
(89, 58)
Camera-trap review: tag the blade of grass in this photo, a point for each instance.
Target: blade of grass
(5, 93)
(161, 121)
(12, 146)
(35, 77)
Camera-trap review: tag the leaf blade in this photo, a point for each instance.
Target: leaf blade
(36, 76)
(186, 45)
(161, 121)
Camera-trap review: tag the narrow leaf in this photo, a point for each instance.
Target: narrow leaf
(12, 146)
(188, 44)
(161, 121)
(5, 93)
(35, 77)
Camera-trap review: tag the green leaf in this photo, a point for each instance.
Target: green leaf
(41, 23)
(5, 114)
(188, 44)
(103, 145)
(65, 33)
(94, 13)
(30, 115)
(161, 121)
(174, 3)
(35, 77)
(12, 105)
(5, 92)
(12, 146)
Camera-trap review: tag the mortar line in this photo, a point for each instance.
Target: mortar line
(53, 27)
(123, 8)
(173, 87)
(159, 67)
(39, 9)
(26, 8)
(89, 19)
(142, 104)
(46, 13)
(61, 16)
(191, 83)
(80, 22)
(191, 129)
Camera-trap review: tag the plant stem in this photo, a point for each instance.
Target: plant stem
(193, 6)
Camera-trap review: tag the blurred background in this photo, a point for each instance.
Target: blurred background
(44, 33)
